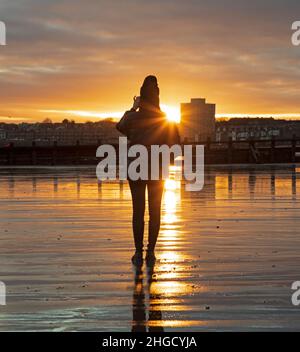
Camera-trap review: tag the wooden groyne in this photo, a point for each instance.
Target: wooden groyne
(230, 152)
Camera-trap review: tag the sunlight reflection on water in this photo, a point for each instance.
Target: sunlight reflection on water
(63, 229)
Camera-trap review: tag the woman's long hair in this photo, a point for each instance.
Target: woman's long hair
(149, 93)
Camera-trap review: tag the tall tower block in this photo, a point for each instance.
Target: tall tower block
(197, 121)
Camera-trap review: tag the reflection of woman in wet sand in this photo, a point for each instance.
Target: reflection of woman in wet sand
(139, 318)
(146, 124)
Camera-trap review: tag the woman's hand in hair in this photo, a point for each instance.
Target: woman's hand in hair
(136, 102)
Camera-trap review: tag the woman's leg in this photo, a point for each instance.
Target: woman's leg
(155, 192)
(137, 189)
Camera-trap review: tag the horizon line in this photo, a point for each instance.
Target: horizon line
(117, 115)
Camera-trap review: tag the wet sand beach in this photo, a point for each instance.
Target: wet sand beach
(227, 255)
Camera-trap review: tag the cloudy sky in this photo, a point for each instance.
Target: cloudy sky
(92, 55)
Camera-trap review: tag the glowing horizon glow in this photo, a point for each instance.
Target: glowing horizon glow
(84, 113)
(172, 112)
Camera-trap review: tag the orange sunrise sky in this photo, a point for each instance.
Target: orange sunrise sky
(86, 60)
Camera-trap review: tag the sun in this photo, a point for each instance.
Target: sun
(172, 112)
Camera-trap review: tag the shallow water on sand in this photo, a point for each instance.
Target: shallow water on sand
(227, 255)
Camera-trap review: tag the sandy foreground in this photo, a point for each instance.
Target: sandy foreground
(227, 256)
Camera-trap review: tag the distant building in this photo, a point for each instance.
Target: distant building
(89, 133)
(197, 121)
(2, 134)
(241, 129)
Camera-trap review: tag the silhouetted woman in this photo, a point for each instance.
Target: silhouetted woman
(146, 124)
